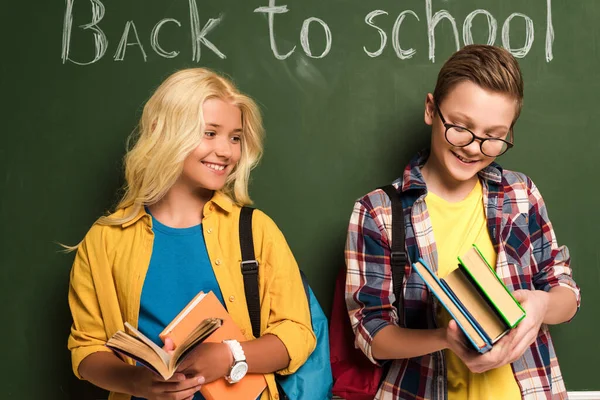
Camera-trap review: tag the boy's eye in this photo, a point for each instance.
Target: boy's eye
(460, 129)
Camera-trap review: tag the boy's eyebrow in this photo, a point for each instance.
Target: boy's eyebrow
(468, 120)
(217, 126)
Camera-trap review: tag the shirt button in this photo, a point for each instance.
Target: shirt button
(218, 262)
(211, 207)
(276, 396)
(231, 298)
(209, 230)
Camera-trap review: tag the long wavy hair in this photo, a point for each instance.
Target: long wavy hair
(171, 128)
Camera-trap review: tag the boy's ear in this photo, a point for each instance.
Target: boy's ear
(429, 109)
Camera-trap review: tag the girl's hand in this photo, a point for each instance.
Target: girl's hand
(208, 361)
(151, 386)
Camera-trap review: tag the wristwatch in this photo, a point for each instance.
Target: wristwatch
(240, 366)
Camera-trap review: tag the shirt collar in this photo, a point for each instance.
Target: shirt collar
(141, 214)
(222, 201)
(219, 199)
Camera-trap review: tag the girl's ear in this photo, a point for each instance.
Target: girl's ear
(429, 109)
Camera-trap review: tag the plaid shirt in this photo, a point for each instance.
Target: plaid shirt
(528, 258)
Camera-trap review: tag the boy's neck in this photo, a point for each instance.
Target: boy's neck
(443, 186)
(181, 208)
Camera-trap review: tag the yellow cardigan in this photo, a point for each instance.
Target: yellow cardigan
(111, 264)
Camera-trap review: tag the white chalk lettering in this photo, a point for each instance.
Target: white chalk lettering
(304, 37)
(100, 41)
(271, 10)
(383, 36)
(402, 54)
(432, 22)
(468, 24)
(198, 35)
(520, 52)
(549, 31)
(154, 39)
(120, 53)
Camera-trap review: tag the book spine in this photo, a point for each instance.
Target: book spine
(481, 350)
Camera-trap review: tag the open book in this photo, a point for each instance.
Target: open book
(137, 346)
(207, 305)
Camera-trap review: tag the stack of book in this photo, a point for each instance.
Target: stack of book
(476, 299)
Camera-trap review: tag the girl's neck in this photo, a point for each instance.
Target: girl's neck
(448, 189)
(181, 207)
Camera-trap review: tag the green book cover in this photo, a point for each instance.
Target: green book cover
(487, 296)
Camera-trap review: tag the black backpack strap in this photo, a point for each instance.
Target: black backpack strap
(398, 255)
(250, 269)
(250, 275)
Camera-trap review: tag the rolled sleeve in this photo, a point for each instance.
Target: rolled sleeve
(288, 316)
(369, 293)
(294, 337)
(553, 261)
(87, 331)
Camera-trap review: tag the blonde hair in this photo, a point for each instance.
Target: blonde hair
(171, 128)
(490, 67)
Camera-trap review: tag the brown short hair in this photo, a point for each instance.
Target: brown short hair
(492, 68)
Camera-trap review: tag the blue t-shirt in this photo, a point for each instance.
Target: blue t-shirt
(179, 269)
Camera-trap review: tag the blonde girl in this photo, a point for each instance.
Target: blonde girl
(175, 233)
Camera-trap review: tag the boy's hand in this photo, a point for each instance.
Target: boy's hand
(535, 303)
(208, 361)
(510, 347)
(476, 362)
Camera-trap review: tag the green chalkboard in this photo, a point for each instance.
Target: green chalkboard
(342, 86)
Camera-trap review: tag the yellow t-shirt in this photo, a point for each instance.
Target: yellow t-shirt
(456, 226)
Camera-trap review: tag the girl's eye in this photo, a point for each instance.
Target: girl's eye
(209, 133)
(236, 139)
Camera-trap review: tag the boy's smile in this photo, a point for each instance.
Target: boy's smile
(487, 114)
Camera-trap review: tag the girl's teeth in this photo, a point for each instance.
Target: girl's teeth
(216, 167)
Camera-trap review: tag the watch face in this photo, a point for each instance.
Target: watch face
(238, 371)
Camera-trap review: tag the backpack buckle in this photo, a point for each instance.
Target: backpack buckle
(249, 267)
(398, 258)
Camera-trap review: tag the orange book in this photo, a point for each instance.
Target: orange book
(206, 305)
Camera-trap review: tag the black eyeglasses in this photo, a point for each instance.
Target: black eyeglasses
(460, 136)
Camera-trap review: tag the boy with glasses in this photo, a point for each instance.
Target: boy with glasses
(455, 195)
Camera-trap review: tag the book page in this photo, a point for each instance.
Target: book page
(491, 287)
(181, 316)
(197, 336)
(476, 304)
(165, 357)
